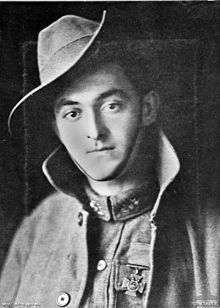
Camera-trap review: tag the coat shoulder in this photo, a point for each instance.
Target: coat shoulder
(55, 213)
(55, 210)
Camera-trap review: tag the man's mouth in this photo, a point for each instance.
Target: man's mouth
(100, 149)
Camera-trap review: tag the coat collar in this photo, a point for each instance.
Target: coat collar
(168, 168)
(64, 176)
(126, 204)
(169, 164)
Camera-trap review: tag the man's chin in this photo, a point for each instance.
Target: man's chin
(105, 176)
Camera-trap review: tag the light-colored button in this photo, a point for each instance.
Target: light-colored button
(63, 299)
(101, 265)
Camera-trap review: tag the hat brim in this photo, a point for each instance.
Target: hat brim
(39, 91)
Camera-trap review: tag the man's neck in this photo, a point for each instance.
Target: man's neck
(113, 187)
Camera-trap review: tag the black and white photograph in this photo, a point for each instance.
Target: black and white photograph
(109, 154)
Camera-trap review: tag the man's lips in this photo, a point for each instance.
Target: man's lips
(100, 149)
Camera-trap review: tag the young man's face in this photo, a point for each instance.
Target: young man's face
(98, 118)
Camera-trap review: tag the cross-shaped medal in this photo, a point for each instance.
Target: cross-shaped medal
(134, 284)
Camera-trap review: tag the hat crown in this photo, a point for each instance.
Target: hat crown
(68, 29)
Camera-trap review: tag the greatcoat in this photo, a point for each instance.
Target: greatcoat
(49, 254)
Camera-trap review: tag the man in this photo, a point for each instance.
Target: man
(110, 236)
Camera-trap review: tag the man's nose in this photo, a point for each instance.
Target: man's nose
(96, 128)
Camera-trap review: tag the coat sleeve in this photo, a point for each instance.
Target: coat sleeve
(14, 264)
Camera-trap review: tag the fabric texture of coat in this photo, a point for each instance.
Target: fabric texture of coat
(49, 254)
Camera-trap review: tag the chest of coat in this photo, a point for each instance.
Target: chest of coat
(58, 263)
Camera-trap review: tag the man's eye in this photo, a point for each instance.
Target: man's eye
(72, 115)
(112, 107)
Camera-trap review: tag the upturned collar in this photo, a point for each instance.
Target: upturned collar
(65, 176)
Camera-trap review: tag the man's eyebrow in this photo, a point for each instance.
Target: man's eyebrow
(64, 102)
(111, 92)
(114, 91)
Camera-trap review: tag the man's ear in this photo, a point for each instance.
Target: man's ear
(151, 103)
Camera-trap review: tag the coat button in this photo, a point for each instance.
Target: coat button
(63, 299)
(101, 265)
(80, 219)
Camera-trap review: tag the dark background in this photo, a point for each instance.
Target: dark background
(188, 88)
